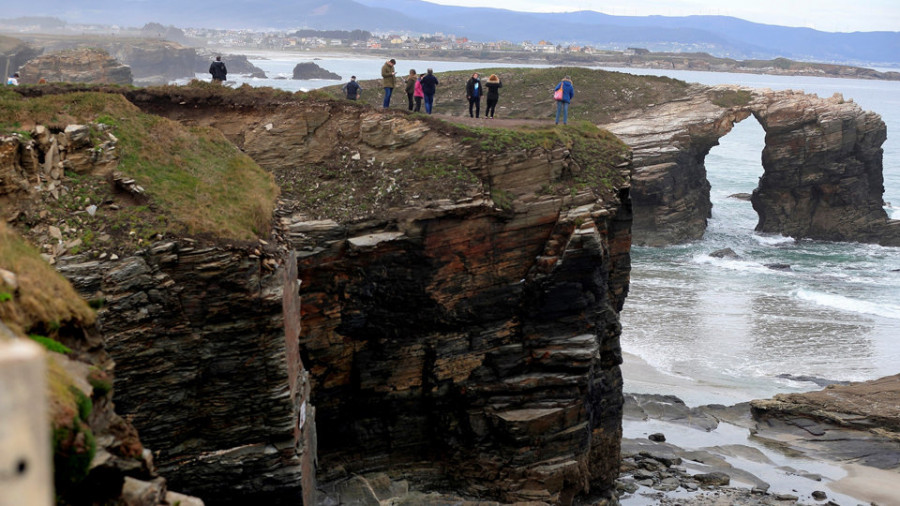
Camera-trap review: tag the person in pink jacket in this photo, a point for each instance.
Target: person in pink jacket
(418, 94)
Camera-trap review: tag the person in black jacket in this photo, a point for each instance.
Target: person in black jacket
(493, 86)
(429, 86)
(218, 70)
(352, 88)
(474, 90)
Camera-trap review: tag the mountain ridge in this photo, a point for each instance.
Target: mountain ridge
(721, 36)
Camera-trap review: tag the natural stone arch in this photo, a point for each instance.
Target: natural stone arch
(822, 165)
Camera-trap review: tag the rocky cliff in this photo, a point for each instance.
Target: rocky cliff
(76, 66)
(822, 165)
(152, 61)
(97, 456)
(460, 292)
(460, 304)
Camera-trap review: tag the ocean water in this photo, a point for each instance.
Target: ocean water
(722, 330)
(727, 330)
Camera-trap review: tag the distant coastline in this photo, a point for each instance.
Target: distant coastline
(643, 60)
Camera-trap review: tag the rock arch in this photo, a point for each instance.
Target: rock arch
(822, 165)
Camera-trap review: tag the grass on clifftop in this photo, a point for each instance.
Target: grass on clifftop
(595, 151)
(600, 95)
(197, 181)
(44, 300)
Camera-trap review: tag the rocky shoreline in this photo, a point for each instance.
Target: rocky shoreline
(836, 446)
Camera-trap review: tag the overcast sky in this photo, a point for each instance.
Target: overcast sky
(826, 15)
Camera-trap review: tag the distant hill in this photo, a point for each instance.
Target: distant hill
(721, 36)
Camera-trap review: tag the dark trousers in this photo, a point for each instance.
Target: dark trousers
(475, 101)
(491, 105)
(429, 103)
(387, 97)
(409, 97)
(418, 104)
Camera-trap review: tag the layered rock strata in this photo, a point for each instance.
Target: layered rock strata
(205, 368)
(76, 66)
(456, 341)
(822, 165)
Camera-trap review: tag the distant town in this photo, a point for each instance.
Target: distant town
(439, 46)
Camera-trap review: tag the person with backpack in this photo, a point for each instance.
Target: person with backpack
(473, 94)
(563, 98)
(218, 70)
(352, 89)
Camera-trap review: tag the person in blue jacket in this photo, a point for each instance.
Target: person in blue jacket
(562, 104)
(474, 91)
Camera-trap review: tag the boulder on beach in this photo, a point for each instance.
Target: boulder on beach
(309, 70)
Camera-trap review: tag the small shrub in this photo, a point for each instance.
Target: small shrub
(5, 296)
(50, 344)
(100, 382)
(502, 198)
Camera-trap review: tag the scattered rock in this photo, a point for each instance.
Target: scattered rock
(725, 253)
(740, 196)
(714, 479)
(9, 279)
(658, 437)
(822, 382)
(819, 495)
(779, 267)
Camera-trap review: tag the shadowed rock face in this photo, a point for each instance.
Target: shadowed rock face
(822, 165)
(201, 342)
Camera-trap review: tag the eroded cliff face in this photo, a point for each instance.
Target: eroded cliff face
(460, 292)
(76, 66)
(822, 165)
(467, 342)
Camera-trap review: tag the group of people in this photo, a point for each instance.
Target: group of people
(421, 87)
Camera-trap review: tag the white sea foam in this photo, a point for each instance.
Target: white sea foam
(772, 240)
(851, 305)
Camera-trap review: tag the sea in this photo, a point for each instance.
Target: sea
(720, 330)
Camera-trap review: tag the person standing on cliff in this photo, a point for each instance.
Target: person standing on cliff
(563, 98)
(218, 70)
(411, 86)
(418, 94)
(352, 89)
(493, 86)
(473, 93)
(429, 86)
(13, 80)
(387, 78)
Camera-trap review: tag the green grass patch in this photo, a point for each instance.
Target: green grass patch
(44, 298)
(527, 93)
(730, 98)
(198, 181)
(50, 344)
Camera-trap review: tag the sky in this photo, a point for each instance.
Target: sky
(825, 15)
